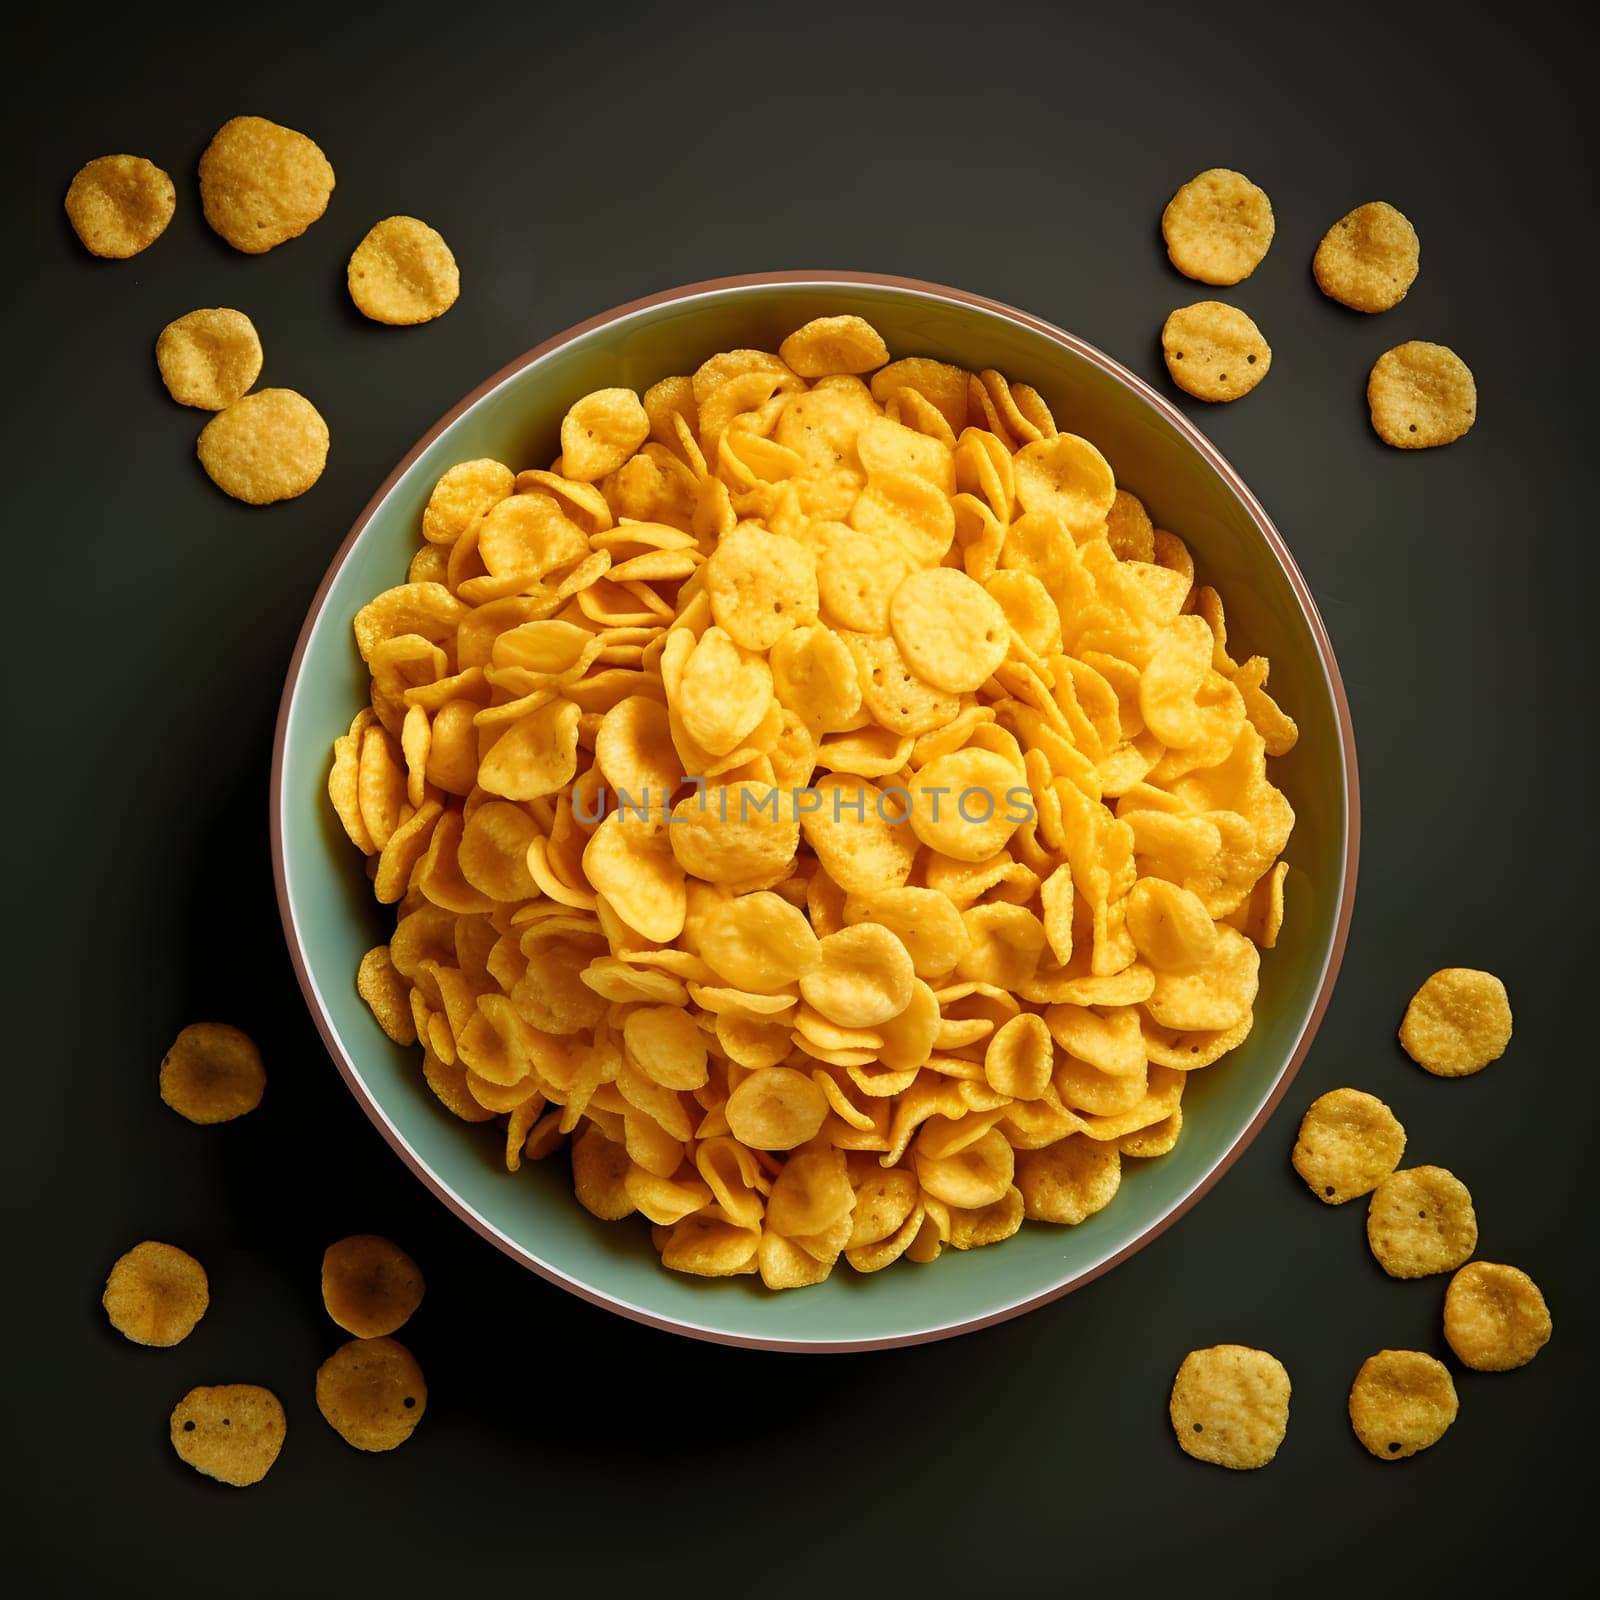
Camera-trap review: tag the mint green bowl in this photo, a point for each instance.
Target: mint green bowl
(330, 918)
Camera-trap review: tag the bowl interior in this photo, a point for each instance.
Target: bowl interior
(534, 1213)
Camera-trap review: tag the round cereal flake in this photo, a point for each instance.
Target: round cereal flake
(1457, 1023)
(212, 1073)
(825, 345)
(1218, 227)
(1068, 1181)
(372, 1393)
(1129, 528)
(370, 1286)
(120, 205)
(231, 1432)
(262, 184)
(1401, 1402)
(269, 446)
(403, 273)
(1420, 1221)
(600, 432)
(156, 1294)
(1495, 1317)
(209, 358)
(952, 633)
(1230, 1406)
(1368, 259)
(1421, 395)
(1349, 1142)
(1214, 351)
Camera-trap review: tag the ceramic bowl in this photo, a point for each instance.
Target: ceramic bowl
(330, 918)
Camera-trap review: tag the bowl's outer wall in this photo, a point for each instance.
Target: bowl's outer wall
(328, 899)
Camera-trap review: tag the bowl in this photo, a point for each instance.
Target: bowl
(330, 918)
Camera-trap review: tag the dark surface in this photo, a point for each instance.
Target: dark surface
(575, 164)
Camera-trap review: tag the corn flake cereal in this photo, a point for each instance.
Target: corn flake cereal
(833, 345)
(1230, 1406)
(601, 432)
(372, 1393)
(1070, 1180)
(231, 1431)
(808, 802)
(156, 1293)
(1349, 1143)
(370, 1286)
(120, 205)
(271, 445)
(1129, 529)
(1368, 259)
(262, 184)
(1218, 227)
(1495, 1318)
(212, 1073)
(1457, 1023)
(1214, 351)
(209, 358)
(386, 995)
(462, 495)
(1421, 395)
(403, 273)
(1421, 1221)
(1401, 1402)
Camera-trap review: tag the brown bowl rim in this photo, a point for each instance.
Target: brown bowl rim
(1197, 440)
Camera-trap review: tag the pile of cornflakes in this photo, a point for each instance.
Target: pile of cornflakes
(824, 802)
(261, 185)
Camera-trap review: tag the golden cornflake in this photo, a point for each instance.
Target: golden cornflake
(1218, 226)
(212, 1073)
(1401, 1402)
(1349, 1143)
(385, 993)
(156, 1293)
(1457, 1023)
(262, 184)
(1421, 395)
(209, 358)
(403, 273)
(1495, 1317)
(1368, 259)
(1214, 351)
(1230, 1406)
(950, 632)
(1070, 1180)
(231, 1431)
(370, 1286)
(271, 445)
(1420, 1221)
(833, 344)
(372, 1393)
(600, 432)
(120, 205)
(1129, 528)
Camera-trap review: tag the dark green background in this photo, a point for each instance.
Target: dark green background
(575, 162)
